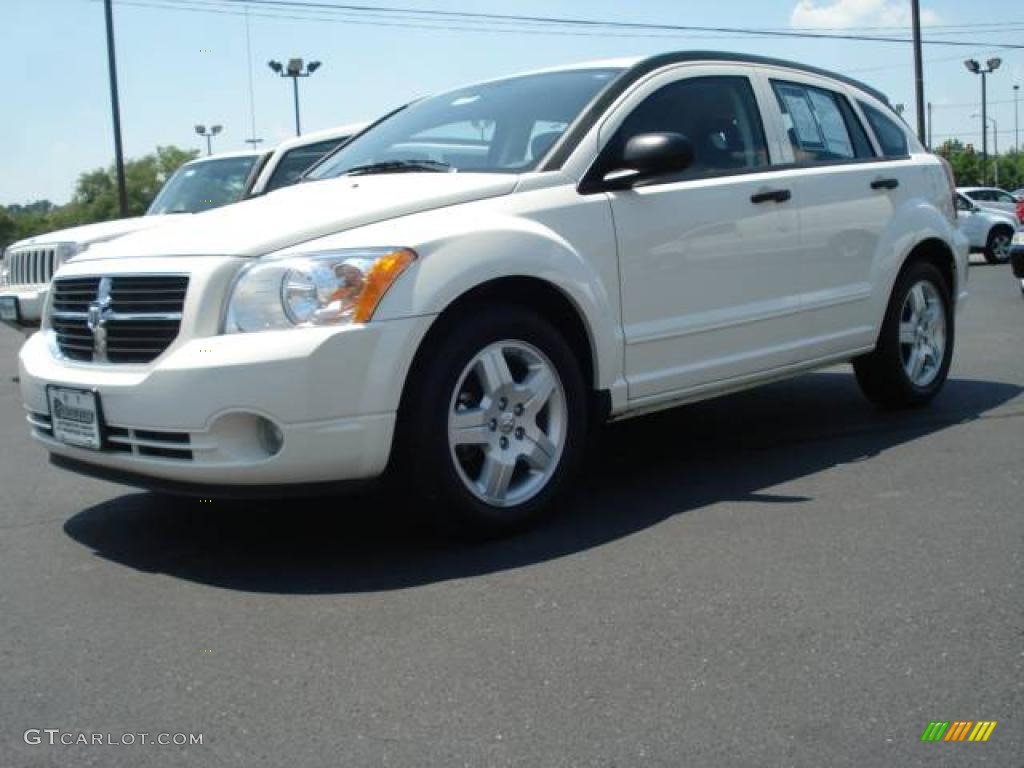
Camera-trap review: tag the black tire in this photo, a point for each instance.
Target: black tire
(422, 442)
(881, 373)
(997, 249)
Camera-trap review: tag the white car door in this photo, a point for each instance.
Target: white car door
(706, 256)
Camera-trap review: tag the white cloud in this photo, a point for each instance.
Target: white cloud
(841, 14)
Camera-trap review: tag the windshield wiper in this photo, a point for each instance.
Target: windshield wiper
(399, 166)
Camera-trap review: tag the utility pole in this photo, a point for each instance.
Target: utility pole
(115, 108)
(915, 8)
(252, 94)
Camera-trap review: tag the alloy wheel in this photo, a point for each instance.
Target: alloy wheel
(507, 423)
(922, 333)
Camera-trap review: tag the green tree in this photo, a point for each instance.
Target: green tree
(95, 197)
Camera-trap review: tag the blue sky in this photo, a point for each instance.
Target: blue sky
(57, 112)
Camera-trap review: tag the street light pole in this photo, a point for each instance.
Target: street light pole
(115, 108)
(995, 141)
(1016, 121)
(975, 68)
(929, 143)
(984, 130)
(295, 70)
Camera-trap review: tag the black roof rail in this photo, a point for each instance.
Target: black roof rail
(585, 121)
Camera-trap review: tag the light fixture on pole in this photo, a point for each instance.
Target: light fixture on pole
(995, 143)
(294, 69)
(214, 130)
(976, 69)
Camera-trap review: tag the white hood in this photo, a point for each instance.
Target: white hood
(292, 215)
(87, 234)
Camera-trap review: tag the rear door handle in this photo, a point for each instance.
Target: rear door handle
(771, 195)
(885, 183)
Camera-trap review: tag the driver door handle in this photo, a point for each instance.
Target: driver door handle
(771, 195)
(885, 183)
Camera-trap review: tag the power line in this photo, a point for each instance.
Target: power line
(970, 103)
(203, 6)
(468, 16)
(937, 60)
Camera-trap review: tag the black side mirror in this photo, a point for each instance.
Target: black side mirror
(649, 155)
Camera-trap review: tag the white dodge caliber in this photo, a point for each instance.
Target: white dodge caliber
(465, 289)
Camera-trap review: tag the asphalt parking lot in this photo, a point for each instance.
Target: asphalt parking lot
(782, 577)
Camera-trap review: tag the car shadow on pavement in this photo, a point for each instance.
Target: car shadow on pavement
(644, 470)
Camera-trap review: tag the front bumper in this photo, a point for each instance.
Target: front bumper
(30, 302)
(193, 417)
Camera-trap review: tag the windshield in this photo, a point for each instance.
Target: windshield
(499, 127)
(200, 186)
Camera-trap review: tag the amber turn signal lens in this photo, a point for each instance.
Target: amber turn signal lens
(380, 277)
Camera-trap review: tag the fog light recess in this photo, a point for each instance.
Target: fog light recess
(271, 437)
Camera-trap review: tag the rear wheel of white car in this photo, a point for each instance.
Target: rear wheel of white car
(997, 249)
(915, 346)
(496, 420)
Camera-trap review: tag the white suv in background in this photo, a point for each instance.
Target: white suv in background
(464, 290)
(199, 185)
(988, 230)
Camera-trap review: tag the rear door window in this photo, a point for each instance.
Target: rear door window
(821, 125)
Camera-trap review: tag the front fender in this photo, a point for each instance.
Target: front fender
(506, 246)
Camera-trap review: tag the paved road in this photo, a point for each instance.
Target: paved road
(782, 577)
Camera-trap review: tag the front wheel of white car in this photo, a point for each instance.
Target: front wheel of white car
(915, 345)
(496, 420)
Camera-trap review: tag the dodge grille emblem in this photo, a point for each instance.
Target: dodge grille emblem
(99, 313)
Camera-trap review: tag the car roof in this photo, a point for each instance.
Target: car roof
(225, 155)
(639, 68)
(349, 129)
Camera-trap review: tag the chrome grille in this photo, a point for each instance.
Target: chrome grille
(134, 317)
(31, 266)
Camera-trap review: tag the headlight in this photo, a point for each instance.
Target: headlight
(1018, 238)
(313, 289)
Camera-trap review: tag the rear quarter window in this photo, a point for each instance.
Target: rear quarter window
(890, 134)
